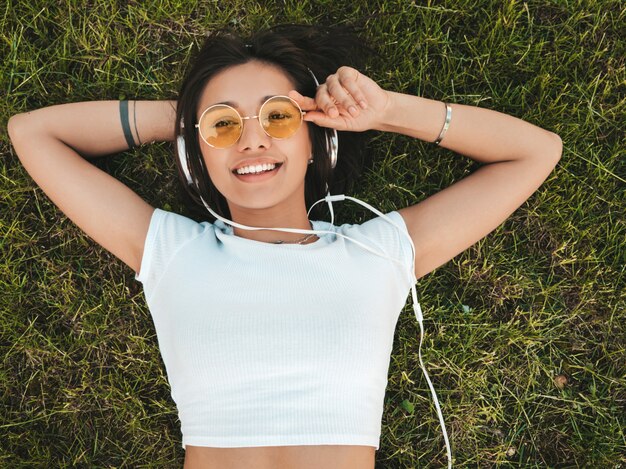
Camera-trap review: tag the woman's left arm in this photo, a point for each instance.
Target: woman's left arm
(518, 157)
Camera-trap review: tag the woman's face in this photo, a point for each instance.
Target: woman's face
(245, 87)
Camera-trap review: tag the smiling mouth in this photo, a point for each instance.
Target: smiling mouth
(262, 171)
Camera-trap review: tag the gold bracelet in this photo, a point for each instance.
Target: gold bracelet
(446, 124)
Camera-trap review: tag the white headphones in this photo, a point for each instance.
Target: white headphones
(332, 146)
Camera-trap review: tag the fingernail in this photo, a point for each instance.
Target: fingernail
(354, 111)
(363, 104)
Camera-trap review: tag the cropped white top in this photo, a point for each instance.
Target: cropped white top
(275, 344)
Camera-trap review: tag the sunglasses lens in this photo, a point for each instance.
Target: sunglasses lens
(220, 126)
(280, 117)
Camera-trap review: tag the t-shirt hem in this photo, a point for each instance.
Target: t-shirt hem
(282, 440)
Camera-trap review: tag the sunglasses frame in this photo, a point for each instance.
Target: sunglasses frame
(243, 118)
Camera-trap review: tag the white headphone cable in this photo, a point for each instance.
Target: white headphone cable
(416, 306)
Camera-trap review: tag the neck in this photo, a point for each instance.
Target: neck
(271, 218)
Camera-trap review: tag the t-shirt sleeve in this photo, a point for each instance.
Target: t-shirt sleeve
(392, 237)
(167, 233)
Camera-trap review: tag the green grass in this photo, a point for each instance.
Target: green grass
(543, 296)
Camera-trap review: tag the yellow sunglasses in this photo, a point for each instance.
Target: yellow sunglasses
(221, 126)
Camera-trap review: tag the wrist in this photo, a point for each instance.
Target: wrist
(414, 116)
(155, 120)
(386, 121)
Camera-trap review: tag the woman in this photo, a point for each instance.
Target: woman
(276, 340)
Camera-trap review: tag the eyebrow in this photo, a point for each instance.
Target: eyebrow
(235, 105)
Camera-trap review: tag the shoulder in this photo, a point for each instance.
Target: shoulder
(169, 223)
(387, 233)
(390, 225)
(167, 233)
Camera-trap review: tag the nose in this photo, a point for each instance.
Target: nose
(253, 137)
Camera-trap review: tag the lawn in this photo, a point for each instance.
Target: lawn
(525, 331)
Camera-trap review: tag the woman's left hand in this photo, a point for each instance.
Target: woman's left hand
(348, 100)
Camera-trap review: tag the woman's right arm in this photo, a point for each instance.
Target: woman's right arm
(52, 142)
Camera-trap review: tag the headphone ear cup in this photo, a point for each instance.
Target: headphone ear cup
(332, 142)
(332, 146)
(183, 158)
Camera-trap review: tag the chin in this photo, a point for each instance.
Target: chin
(266, 201)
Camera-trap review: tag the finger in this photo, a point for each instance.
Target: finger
(304, 102)
(323, 120)
(341, 96)
(348, 77)
(325, 102)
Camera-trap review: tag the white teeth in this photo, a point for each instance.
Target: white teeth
(256, 169)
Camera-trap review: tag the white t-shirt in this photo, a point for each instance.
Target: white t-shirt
(276, 344)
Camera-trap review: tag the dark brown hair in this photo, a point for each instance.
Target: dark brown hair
(297, 50)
